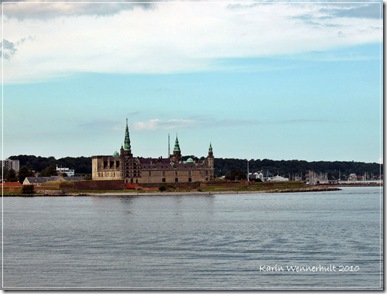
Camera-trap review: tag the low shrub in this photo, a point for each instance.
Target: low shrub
(162, 188)
(28, 189)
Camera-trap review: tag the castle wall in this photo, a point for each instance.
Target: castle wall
(106, 168)
(109, 168)
(172, 175)
(94, 185)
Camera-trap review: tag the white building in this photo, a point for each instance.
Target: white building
(66, 170)
(277, 179)
(11, 164)
(258, 175)
(352, 177)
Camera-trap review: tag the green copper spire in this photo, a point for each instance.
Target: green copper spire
(210, 149)
(127, 140)
(177, 147)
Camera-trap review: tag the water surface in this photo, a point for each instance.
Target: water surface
(195, 242)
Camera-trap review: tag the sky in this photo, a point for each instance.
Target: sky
(258, 80)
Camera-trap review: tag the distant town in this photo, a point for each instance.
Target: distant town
(24, 170)
(125, 171)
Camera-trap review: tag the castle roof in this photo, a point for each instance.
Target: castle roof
(127, 139)
(177, 146)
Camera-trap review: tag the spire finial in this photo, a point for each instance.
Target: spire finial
(127, 139)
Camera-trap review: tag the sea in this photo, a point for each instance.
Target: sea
(265, 241)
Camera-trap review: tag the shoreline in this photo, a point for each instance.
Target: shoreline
(179, 193)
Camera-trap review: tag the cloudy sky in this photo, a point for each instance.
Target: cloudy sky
(276, 80)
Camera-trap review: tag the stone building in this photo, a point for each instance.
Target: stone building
(124, 166)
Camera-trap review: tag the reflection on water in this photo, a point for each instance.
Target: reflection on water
(195, 242)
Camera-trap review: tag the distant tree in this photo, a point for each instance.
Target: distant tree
(11, 176)
(23, 173)
(223, 166)
(236, 175)
(83, 168)
(5, 173)
(28, 189)
(298, 167)
(49, 171)
(87, 178)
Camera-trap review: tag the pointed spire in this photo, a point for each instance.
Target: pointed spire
(177, 146)
(127, 139)
(210, 153)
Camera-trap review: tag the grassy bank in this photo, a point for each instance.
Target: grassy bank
(205, 188)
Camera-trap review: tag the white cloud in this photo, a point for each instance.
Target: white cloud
(156, 124)
(51, 9)
(172, 37)
(212, 122)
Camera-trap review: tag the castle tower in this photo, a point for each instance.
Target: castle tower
(126, 149)
(127, 139)
(131, 168)
(210, 162)
(210, 152)
(176, 156)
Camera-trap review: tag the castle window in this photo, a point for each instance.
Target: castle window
(176, 180)
(189, 180)
(117, 164)
(163, 180)
(105, 164)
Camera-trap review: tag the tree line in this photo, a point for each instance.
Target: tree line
(82, 165)
(31, 165)
(291, 168)
(223, 166)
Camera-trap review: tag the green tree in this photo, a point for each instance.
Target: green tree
(49, 171)
(28, 189)
(5, 173)
(236, 175)
(23, 173)
(11, 176)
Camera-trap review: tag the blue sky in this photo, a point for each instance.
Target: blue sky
(275, 80)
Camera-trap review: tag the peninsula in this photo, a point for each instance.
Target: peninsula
(126, 174)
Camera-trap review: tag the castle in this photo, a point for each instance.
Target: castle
(137, 170)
